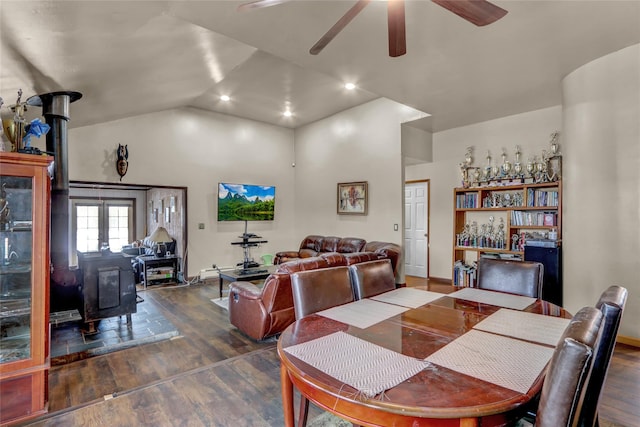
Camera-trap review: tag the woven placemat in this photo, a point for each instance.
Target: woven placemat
(408, 297)
(499, 299)
(364, 366)
(527, 326)
(507, 362)
(363, 313)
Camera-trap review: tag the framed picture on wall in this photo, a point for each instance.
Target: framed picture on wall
(353, 198)
(167, 214)
(172, 203)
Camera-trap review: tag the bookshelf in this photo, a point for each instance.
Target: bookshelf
(499, 220)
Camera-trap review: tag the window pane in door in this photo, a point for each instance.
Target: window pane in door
(118, 227)
(87, 237)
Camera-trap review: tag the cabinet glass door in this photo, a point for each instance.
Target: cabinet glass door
(16, 199)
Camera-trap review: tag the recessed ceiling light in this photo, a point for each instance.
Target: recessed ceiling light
(225, 98)
(349, 86)
(287, 113)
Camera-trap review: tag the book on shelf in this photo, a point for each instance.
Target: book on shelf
(538, 219)
(542, 197)
(467, 201)
(464, 276)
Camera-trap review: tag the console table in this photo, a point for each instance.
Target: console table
(158, 269)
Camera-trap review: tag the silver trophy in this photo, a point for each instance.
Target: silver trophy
(554, 159)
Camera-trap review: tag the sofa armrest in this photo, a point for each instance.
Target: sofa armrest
(285, 256)
(246, 290)
(247, 311)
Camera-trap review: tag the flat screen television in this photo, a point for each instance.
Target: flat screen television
(246, 202)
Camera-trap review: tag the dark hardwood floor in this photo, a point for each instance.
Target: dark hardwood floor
(212, 375)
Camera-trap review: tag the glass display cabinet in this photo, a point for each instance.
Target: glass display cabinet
(24, 285)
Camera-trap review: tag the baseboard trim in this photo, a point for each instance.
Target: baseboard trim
(634, 342)
(439, 280)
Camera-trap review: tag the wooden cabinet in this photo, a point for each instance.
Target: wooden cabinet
(24, 285)
(500, 220)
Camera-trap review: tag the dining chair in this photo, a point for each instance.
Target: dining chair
(514, 277)
(611, 304)
(316, 290)
(372, 278)
(563, 392)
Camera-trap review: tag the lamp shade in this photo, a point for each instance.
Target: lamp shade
(160, 235)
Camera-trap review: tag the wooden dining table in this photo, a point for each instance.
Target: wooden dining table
(436, 395)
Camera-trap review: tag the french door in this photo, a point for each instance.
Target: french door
(95, 223)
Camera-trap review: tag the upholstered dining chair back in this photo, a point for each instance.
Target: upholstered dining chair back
(514, 277)
(562, 395)
(317, 290)
(372, 278)
(611, 304)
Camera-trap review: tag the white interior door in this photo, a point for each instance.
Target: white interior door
(416, 223)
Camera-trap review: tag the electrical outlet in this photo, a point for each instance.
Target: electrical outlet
(395, 227)
(201, 226)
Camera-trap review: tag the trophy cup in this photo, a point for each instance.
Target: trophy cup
(14, 127)
(506, 165)
(531, 167)
(541, 169)
(486, 172)
(517, 166)
(554, 160)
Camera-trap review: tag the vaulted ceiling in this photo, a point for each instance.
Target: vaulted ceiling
(134, 57)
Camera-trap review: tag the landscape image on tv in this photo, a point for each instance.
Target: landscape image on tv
(245, 202)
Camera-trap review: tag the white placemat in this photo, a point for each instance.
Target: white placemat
(507, 362)
(362, 313)
(408, 297)
(500, 299)
(362, 365)
(527, 326)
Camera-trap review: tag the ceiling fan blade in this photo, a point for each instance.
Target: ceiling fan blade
(338, 26)
(478, 12)
(259, 4)
(397, 34)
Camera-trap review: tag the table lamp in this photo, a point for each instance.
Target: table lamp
(160, 236)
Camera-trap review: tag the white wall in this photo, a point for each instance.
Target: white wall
(417, 145)
(197, 149)
(601, 223)
(359, 144)
(531, 131)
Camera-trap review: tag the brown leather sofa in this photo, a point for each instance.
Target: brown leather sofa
(261, 313)
(315, 245)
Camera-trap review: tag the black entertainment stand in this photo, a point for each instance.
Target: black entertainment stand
(249, 240)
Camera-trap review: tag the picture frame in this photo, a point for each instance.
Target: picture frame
(353, 198)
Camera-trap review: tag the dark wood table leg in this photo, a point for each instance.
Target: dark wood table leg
(221, 282)
(286, 387)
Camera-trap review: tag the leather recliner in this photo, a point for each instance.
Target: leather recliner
(261, 313)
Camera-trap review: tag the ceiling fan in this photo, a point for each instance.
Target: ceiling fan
(478, 12)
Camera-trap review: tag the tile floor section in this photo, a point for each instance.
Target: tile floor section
(70, 341)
